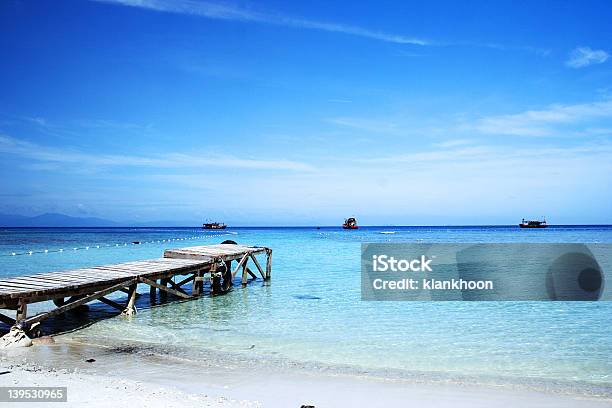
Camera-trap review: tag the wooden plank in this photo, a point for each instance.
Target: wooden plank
(227, 248)
(61, 276)
(212, 252)
(256, 262)
(58, 279)
(120, 268)
(8, 289)
(167, 275)
(178, 261)
(92, 274)
(64, 291)
(132, 269)
(242, 261)
(69, 306)
(176, 286)
(63, 280)
(218, 248)
(224, 254)
(23, 286)
(11, 283)
(186, 280)
(83, 272)
(159, 265)
(156, 267)
(201, 257)
(164, 288)
(34, 282)
(183, 252)
(111, 303)
(133, 266)
(102, 275)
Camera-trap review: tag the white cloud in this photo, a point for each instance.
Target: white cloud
(542, 122)
(584, 56)
(499, 156)
(229, 12)
(19, 148)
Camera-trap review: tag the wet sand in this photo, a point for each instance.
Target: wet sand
(121, 378)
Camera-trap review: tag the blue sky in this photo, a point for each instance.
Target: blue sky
(279, 113)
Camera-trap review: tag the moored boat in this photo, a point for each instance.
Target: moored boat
(350, 223)
(533, 223)
(214, 225)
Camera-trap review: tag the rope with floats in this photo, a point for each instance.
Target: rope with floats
(113, 245)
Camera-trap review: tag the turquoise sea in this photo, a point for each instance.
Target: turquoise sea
(311, 316)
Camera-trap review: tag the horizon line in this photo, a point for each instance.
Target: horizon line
(304, 226)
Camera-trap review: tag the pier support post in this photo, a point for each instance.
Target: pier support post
(198, 283)
(245, 274)
(163, 295)
(268, 264)
(22, 310)
(130, 309)
(152, 294)
(213, 272)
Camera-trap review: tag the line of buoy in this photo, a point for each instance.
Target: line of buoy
(47, 251)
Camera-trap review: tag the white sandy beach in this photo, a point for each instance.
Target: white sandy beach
(103, 391)
(136, 380)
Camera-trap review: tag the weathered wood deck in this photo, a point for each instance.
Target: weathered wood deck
(72, 288)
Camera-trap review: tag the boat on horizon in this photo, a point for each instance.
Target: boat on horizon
(533, 223)
(350, 223)
(213, 226)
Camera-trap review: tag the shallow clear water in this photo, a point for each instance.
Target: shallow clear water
(311, 314)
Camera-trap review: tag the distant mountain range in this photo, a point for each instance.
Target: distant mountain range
(53, 220)
(62, 220)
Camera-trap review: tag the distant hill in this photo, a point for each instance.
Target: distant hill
(53, 220)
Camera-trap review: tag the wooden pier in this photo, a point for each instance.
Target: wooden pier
(73, 288)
